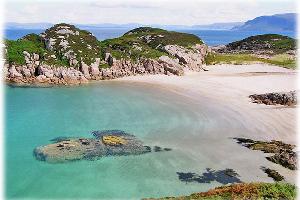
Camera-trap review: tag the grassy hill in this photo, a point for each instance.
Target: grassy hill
(65, 45)
(268, 48)
(275, 42)
(146, 42)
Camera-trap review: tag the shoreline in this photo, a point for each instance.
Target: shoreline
(230, 86)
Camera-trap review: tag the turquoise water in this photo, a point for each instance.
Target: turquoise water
(197, 133)
(36, 115)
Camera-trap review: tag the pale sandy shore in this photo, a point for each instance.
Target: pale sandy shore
(226, 89)
(230, 85)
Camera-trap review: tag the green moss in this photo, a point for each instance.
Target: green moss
(282, 60)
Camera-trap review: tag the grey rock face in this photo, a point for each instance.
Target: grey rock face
(191, 58)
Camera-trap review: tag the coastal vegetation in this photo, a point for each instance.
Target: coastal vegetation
(67, 55)
(15, 49)
(146, 42)
(245, 191)
(271, 49)
(283, 60)
(271, 42)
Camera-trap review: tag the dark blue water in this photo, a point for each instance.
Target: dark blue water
(210, 37)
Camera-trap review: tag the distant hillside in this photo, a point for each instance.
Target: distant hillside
(279, 22)
(218, 26)
(214, 26)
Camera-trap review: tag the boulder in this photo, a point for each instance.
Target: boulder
(283, 98)
(13, 73)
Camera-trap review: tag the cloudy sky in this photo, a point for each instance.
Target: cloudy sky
(180, 12)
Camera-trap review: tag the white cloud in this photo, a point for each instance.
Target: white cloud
(186, 12)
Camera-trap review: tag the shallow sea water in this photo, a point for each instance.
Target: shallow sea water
(198, 133)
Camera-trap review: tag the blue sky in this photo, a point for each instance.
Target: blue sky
(180, 12)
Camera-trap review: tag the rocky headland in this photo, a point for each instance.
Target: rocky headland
(66, 55)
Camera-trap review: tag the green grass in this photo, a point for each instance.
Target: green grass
(15, 50)
(169, 37)
(277, 43)
(104, 65)
(124, 46)
(246, 191)
(282, 60)
(78, 43)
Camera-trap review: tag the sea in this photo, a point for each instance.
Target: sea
(198, 132)
(210, 37)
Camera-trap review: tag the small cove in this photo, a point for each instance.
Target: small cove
(198, 133)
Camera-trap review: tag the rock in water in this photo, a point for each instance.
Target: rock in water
(105, 143)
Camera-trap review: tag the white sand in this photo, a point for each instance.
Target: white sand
(227, 88)
(230, 85)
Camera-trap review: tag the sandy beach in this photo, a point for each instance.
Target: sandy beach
(227, 88)
(230, 86)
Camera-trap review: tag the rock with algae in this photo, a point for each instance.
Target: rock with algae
(283, 153)
(104, 143)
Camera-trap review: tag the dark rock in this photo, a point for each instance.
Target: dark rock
(157, 148)
(282, 98)
(283, 153)
(273, 174)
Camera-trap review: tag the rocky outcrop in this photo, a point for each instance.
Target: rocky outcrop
(283, 154)
(188, 57)
(282, 98)
(35, 73)
(68, 56)
(104, 143)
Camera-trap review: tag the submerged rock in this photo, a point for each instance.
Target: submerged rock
(105, 143)
(222, 176)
